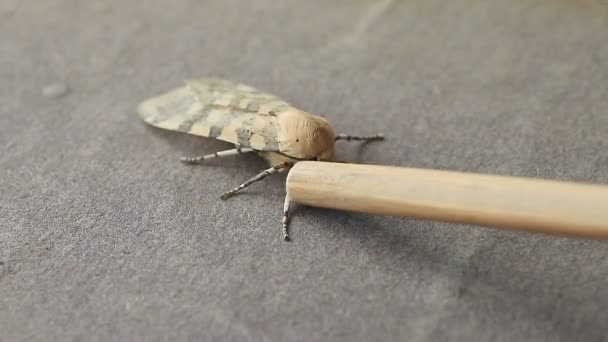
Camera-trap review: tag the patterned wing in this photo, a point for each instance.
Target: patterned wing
(220, 109)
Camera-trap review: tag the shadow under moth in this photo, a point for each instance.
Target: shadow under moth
(252, 120)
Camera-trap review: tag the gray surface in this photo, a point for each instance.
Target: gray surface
(104, 235)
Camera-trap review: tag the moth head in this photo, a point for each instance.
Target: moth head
(305, 136)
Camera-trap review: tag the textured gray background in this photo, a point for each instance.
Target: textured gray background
(104, 235)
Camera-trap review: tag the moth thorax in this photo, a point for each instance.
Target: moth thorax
(306, 136)
(321, 144)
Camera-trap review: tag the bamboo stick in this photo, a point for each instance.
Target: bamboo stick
(528, 204)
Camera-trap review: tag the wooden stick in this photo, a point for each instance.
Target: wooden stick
(535, 205)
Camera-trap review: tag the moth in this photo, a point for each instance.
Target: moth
(252, 120)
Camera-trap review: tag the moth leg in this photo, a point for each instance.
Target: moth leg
(258, 177)
(232, 152)
(359, 138)
(286, 217)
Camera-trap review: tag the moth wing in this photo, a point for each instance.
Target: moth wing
(221, 109)
(238, 96)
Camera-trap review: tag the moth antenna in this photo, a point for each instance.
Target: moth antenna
(359, 138)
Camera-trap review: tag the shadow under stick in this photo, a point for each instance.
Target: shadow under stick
(534, 205)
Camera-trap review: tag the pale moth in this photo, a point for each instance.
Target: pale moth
(252, 120)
